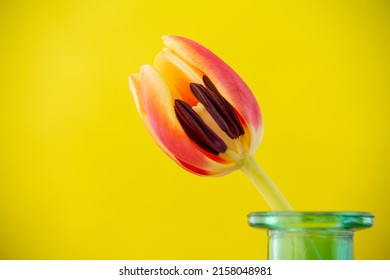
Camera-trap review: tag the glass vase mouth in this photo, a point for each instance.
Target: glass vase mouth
(311, 220)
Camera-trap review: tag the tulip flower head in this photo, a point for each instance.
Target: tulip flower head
(198, 110)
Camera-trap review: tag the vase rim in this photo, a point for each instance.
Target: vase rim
(311, 220)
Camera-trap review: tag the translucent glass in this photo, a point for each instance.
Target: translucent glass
(310, 235)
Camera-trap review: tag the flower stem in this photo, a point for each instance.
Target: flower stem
(265, 186)
(275, 200)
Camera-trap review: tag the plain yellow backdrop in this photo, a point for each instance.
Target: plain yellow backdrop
(80, 178)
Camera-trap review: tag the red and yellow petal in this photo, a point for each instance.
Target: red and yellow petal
(178, 74)
(228, 82)
(135, 88)
(166, 129)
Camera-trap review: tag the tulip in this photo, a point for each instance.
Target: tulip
(202, 114)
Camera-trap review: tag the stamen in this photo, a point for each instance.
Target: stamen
(233, 155)
(239, 147)
(219, 108)
(197, 130)
(209, 84)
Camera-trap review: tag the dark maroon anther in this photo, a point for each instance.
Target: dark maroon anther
(218, 107)
(197, 130)
(209, 84)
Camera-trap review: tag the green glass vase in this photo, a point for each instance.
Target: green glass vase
(310, 235)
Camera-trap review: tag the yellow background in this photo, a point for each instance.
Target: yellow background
(80, 178)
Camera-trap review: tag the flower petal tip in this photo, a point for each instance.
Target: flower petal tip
(135, 89)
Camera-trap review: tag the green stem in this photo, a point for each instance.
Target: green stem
(264, 184)
(275, 200)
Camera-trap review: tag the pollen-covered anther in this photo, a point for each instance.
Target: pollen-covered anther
(218, 107)
(197, 130)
